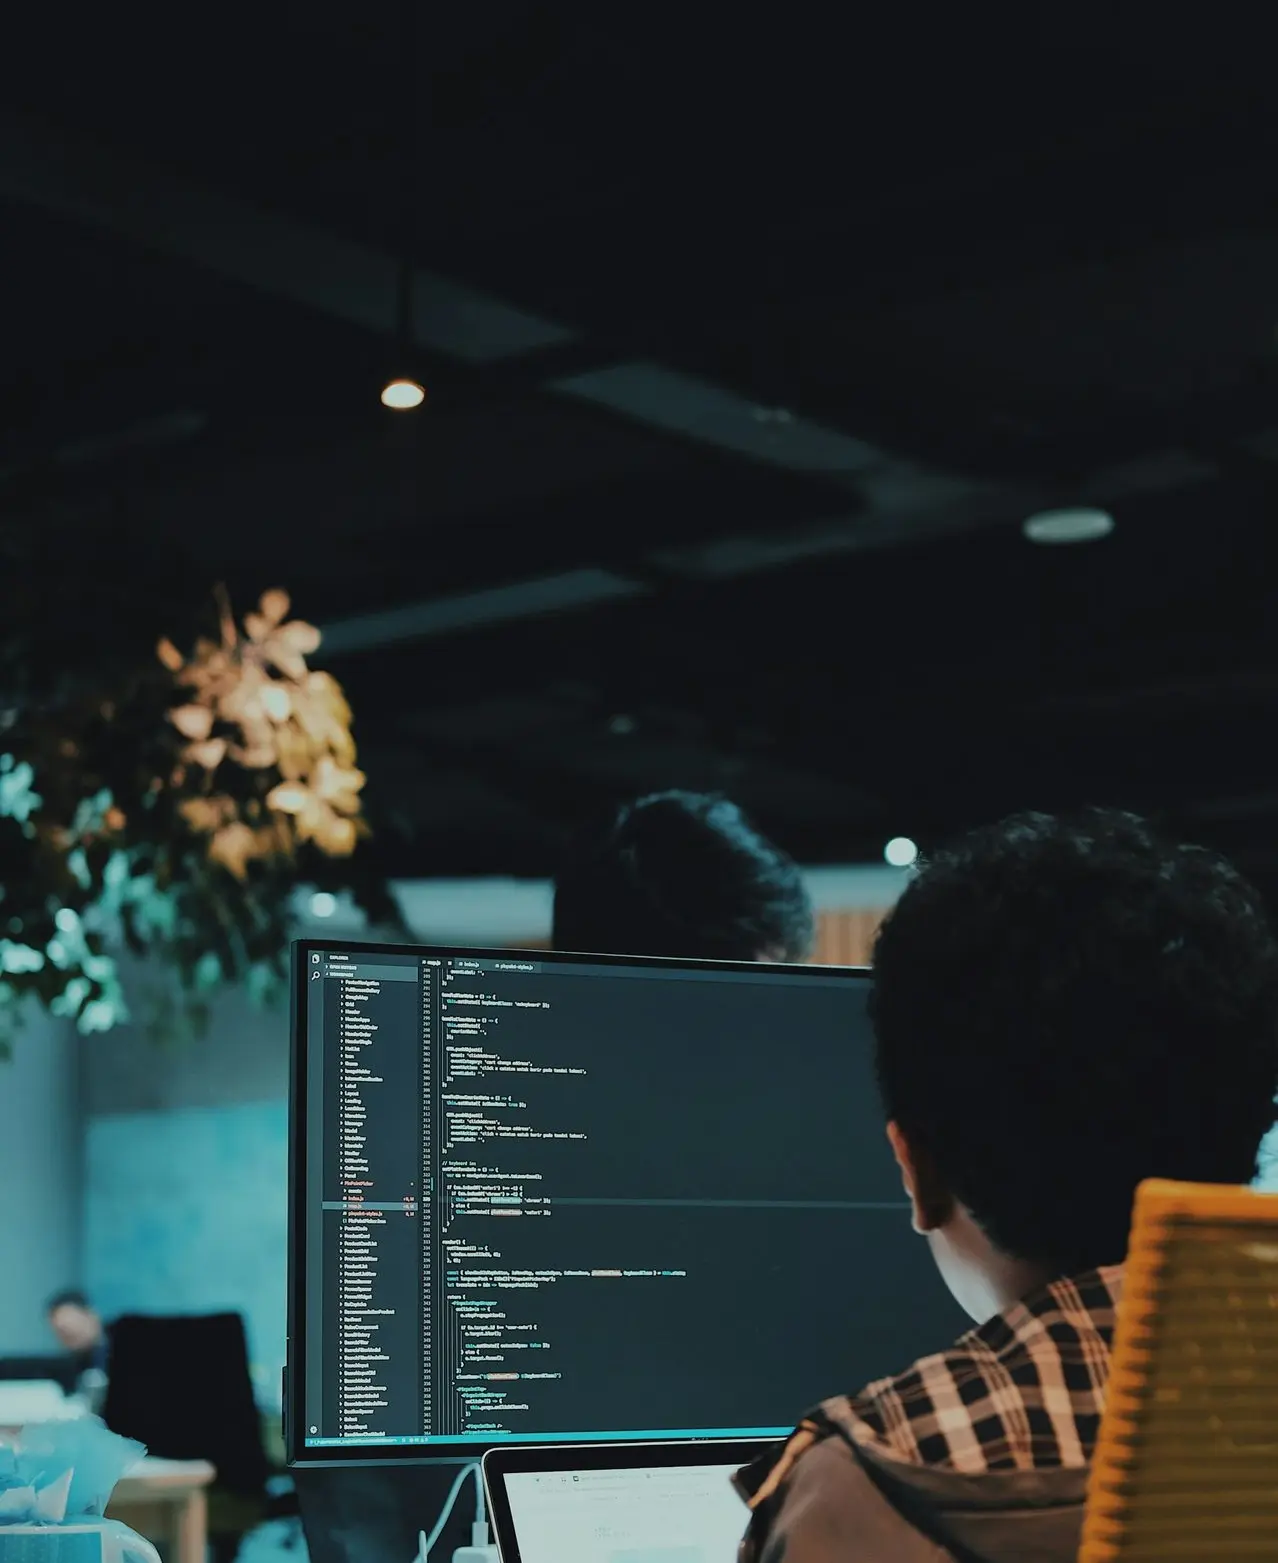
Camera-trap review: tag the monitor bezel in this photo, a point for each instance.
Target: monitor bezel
(504, 1460)
(296, 1450)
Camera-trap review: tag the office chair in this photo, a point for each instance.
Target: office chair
(1186, 1466)
(182, 1387)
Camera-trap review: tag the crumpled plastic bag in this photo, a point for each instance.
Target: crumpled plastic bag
(55, 1483)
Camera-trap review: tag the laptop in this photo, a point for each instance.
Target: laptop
(618, 1503)
(35, 1400)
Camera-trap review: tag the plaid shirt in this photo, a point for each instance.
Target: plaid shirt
(1024, 1392)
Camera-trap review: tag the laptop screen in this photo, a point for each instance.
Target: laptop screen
(652, 1514)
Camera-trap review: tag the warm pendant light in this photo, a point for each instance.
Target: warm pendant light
(404, 392)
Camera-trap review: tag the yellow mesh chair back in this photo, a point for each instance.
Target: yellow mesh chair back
(1186, 1467)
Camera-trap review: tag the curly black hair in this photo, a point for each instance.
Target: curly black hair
(1064, 1007)
(685, 874)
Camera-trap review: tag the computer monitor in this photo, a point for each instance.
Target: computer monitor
(555, 1198)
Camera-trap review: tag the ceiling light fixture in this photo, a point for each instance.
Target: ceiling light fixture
(901, 852)
(402, 394)
(1075, 524)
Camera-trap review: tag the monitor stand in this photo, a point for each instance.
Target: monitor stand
(374, 1513)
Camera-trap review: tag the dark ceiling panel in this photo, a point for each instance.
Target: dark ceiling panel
(997, 278)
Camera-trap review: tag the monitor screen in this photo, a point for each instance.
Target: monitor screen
(545, 1198)
(678, 1514)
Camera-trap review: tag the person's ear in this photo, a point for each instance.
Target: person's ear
(930, 1204)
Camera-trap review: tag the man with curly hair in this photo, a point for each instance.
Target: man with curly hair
(1062, 1008)
(684, 874)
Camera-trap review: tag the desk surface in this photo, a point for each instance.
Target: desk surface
(167, 1496)
(154, 1477)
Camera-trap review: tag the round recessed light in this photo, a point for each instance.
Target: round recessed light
(402, 395)
(901, 852)
(1077, 524)
(323, 904)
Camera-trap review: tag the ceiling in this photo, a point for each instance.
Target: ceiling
(748, 347)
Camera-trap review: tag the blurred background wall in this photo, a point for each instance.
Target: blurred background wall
(40, 1175)
(185, 1188)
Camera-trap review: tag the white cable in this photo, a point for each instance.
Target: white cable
(425, 1542)
(479, 1530)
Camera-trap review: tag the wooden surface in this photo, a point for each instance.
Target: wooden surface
(167, 1501)
(842, 938)
(847, 938)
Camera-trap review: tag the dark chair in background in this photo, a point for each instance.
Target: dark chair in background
(182, 1387)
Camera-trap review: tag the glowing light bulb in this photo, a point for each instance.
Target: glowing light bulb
(323, 904)
(901, 852)
(277, 702)
(402, 395)
(1058, 528)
